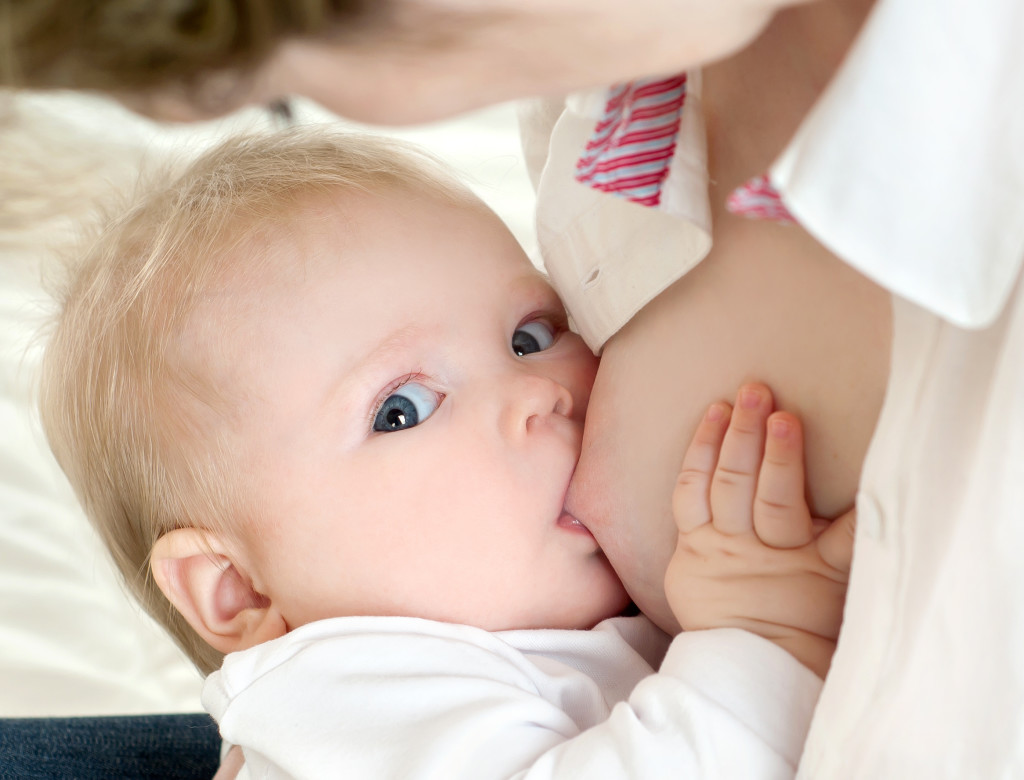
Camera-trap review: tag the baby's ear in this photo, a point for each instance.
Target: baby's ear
(215, 596)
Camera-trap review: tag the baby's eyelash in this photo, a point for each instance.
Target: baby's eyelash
(557, 320)
(389, 390)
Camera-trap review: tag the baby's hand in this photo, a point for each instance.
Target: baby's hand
(749, 554)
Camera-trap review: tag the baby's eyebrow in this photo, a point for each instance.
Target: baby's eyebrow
(537, 284)
(392, 346)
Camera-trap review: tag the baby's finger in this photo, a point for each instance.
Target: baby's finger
(781, 516)
(691, 498)
(735, 479)
(232, 764)
(835, 544)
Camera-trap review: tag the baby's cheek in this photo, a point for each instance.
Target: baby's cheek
(579, 375)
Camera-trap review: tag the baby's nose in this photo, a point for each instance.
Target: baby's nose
(531, 398)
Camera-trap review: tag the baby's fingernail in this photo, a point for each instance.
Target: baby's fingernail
(750, 398)
(715, 413)
(779, 427)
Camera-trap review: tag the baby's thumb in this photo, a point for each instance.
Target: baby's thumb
(835, 543)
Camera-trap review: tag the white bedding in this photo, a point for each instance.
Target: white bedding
(71, 643)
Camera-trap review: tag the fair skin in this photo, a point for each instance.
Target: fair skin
(415, 460)
(768, 302)
(748, 552)
(404, 458)
(459, 517)
(791, 304)
(805, 308)
(421, 60)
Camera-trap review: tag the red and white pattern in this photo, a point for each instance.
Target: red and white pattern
(632, 145)
(631, 148)
(758, 199)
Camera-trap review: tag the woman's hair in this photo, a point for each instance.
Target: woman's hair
(134, 420)
(123, 46)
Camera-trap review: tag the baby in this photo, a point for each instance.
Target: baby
(324, 413)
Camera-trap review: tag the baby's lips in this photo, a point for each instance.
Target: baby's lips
(570, 522)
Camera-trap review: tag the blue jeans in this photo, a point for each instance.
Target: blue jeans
(133, 747)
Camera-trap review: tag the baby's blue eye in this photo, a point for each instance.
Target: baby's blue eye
(407, 407)
(532, 337)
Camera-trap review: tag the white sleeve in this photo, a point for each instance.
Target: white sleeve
(911, 165)
(725, 704)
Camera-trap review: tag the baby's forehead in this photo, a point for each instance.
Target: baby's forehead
(380, 239)
(351, 219)
(256, 255)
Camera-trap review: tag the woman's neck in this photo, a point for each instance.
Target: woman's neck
(755, 101)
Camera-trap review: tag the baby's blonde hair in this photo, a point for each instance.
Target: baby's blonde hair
(127, 419)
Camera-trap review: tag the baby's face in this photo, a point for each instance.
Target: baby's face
(414, 414)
